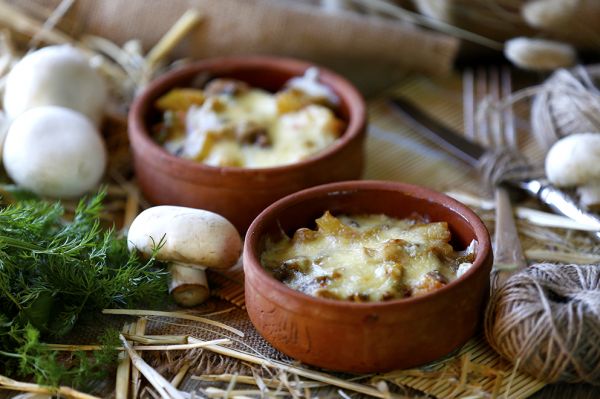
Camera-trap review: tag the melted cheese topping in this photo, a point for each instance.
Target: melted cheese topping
(367, 258)
(249, 127)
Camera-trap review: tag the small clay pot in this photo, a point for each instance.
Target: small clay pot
(375, 336)
(240, 194)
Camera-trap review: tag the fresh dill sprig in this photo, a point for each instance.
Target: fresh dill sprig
(52, 272)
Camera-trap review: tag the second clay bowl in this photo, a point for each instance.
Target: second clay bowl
(372, 336)
(240, 194)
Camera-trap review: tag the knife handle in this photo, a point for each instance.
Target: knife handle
(508, 254)
(561, 202)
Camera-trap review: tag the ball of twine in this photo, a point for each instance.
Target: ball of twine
(567, 102)
(505, 165)
(546, 320)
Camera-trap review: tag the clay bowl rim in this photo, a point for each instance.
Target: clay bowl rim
(254, 235)
(346, 91)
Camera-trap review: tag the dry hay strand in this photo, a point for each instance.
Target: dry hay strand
(545, 237)
(175, 315)
(461, 375)
(65, 392)
(200, 362)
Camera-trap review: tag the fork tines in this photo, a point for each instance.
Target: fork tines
(487, 119)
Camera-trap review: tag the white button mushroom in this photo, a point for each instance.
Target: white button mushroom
(54, 151)
(539, 54)
(194, 240)
(549, 14)
(574, 161)
(4, 125)
(55, 75)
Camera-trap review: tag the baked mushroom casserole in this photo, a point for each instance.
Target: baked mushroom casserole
(365, 258)
(231, 124)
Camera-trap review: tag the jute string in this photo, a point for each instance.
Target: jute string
(546, 319)
(506, 165)
(568, 102)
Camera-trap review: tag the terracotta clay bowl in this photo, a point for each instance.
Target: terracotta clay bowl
(376, 336)
(240, 194)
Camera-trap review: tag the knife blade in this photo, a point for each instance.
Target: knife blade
(453, 142)
(470, 152)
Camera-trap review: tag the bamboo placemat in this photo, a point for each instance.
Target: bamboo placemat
(394, 152)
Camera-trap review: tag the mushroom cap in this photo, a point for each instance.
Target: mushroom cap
(574, 160)
(55, 75)
(550, 15)
(54, 151)
(539, 54)
(191, 236)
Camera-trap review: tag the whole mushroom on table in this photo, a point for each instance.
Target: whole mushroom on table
(574, 162)
(54, 102)
(55, 75)
(190, 240)
(54, 151)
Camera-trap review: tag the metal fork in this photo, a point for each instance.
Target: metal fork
(495, 132)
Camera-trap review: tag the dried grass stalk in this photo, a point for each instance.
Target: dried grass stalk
(251, 380)
(177, 32)
(195, 345)
(302, 372)
(163, 387)
(175, 315)
(116, 190)
(126, 68)
(215, 313)
(57, 14)
(162, 345)
(15, 19)
(123, 369)
(20, 22)
(157, 339)
(71, 348)
(213, 392)
(533, 216)
(65, 392)
(178, 378)
(543, 255)
(132, 207)
(136, 380)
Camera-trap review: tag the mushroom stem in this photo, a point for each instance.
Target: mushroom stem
(589, 194)
(188, 284)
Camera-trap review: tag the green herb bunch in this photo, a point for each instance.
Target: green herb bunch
(52, 272)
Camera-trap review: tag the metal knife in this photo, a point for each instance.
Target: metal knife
(471, 153)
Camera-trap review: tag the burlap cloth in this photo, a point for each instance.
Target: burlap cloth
(372, 52)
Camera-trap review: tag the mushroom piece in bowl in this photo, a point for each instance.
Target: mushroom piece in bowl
(369, 336)
(240, 193)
